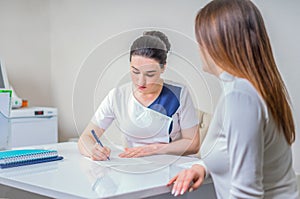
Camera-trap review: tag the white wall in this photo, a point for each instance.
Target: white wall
(79, 49)
(25, 48)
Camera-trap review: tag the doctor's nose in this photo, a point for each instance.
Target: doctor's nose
(141, 80)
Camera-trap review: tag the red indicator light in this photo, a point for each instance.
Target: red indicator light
(38, 112)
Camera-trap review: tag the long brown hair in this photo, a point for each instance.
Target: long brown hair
(234, 35)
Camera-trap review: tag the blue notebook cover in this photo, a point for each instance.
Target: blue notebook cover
(14, 158)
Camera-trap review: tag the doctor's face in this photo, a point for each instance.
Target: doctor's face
(145, 74)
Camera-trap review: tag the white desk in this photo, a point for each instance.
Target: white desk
(79, 177)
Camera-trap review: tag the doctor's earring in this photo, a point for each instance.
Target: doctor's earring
(163, 69)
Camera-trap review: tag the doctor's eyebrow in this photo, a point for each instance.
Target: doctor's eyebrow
(149, 71)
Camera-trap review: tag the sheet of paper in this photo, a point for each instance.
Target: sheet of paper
(5, 102)
(114, 161)
(4, 121)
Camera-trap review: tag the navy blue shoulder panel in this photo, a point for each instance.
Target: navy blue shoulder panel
(168, 100)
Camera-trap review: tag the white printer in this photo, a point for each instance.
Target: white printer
(23, 126)
(33, 126)
(28, 126)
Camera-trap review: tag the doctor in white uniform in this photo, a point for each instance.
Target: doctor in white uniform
(156, 116)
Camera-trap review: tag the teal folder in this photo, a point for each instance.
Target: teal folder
(14, 158)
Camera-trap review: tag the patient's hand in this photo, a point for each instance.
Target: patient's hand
(187, 180)
(140, 151)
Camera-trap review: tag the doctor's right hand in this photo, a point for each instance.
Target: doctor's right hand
(100, 153)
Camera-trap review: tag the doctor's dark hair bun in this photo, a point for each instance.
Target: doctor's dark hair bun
(153, 45)
(161, 36)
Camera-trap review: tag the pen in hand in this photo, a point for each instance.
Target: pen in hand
(97, 139)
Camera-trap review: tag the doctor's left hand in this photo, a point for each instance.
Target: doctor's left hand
(140, 151)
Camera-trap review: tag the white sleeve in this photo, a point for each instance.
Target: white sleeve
(188, 165)
(187, 113)
(205, 168)
(104, 115)
(244, 123)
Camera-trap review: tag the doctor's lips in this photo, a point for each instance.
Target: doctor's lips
(141, 87)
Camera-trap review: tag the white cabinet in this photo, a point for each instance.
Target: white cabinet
(28, 126)
(33, 131)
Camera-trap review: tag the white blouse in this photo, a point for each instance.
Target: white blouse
(244, 152)
(160, 122)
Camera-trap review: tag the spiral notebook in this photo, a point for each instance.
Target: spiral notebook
(21, 157)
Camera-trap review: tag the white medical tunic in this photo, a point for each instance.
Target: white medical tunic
(160, 122)
(245, 153)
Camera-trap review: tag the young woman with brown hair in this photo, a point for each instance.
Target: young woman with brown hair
(247, 151)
